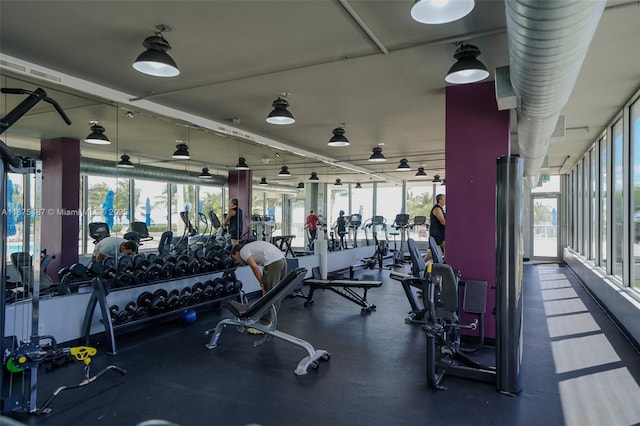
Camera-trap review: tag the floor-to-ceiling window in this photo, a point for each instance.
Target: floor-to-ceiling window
(420, 199)
(617, 214)
(604, 195)
(635, 193)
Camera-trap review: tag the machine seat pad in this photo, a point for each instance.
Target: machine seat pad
(320, 284)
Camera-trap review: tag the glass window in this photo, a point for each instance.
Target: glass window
(15, 214)
(210, 199)
(389, 201)
(362, 201)
(603, 203)
(273, 203)
(108, 201)
(150, 206)
(338, 200)
(617, 215)
(548, 183)
(419, 203)
(183, 199)
(635, 203)
(593, 193)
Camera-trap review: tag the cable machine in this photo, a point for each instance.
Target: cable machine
(26, 356)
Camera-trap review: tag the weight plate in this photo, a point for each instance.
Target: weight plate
(153, 272)
(193, 267)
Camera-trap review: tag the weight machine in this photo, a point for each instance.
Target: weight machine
(355, 220)
(26, 356)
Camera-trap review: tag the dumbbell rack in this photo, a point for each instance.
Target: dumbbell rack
(99, 298)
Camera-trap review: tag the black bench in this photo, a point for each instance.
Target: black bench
(248, 316)
(344, 288)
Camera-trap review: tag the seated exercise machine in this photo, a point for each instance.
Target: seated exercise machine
(344, 288)
(445, 354)
(98, 231)
(411, 282)
(355, 220)
(401, 226)
(248, 316)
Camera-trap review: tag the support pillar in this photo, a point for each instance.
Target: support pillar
(477, 133)
(241, 187)
(60, 200)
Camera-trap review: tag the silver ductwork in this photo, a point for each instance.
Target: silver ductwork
(548, 41)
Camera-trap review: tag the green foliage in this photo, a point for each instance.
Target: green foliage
(419, 205)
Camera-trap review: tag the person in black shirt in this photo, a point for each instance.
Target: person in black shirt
(437, 224)
(233, 222)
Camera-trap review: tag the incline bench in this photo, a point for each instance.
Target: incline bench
(342, 287)
(249, 317)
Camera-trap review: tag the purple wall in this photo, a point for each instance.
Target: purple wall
(240, 187)
(476, 135)
(60, 190)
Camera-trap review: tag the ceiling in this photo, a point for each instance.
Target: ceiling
(236, 57)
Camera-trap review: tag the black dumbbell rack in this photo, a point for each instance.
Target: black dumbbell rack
(99, 298)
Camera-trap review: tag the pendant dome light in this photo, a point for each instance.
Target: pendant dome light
(242, 164)
(263, 181)
(314, 176)
(436, 179)
(358, 186)
(155, 61)
(421, 172)
(338, 182)
(338, 138)
(97, 136)
(205, 174)
(280, 114)
(300, 185)
(440, 11)
(467, 69)
(377, 155)
(403, 166)
(284, 172)
(182, 151)
(125, 162)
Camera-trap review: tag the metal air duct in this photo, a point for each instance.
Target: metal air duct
(548, 41)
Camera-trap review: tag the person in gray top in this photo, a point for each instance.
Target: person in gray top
(112, 247)
(274, 267)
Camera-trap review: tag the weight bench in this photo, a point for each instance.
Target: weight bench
(344, 288)
(283, 242)
(249, 317)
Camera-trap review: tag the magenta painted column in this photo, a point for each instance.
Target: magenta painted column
(476, 135)
(240, 186)
(60, 192)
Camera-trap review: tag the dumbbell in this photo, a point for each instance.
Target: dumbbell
(154, 303)
(237, 286)
(78, 270)
(197, 293)
(118, 316)
(185, 297)
(181, 266)
(136, 312)
(228, 285)
(150, 270)
(173, 300)
(207, 292)
(193, 266)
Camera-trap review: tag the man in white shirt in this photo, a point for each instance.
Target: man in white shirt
(274, 267)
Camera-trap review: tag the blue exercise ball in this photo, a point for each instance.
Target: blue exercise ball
(189, 316)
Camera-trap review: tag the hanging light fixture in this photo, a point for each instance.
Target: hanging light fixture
(284, 172)
(467, 69)
(300, 185)
(403, 166)
(280, 113)
(125, 162)
(444, 182)
(436, 179)
(263, 181)
(242, 164)
(440, 11)
(358, 186)
(155, 60)
(338, 138)
(182, 151)
(377, 155)
(205, 174)
(97, 136)
(338, 182)
(314, 176)
(421, 172)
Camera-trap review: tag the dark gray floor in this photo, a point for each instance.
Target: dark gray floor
(376, 375)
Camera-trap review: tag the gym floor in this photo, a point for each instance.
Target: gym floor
(578, 369)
